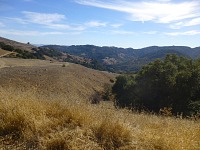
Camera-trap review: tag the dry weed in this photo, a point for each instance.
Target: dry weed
(31, 123)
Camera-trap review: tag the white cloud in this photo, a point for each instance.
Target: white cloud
(192, 32)
(150, 32)
(44, 18)
(177, 25)
(122, 32)
(17, 20)
(116, 25)
(192, 22)
(49, 20)
(95, 24)
(54, 21)
(163, 11)
(28, 33)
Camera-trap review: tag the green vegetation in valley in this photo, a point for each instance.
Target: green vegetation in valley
(117, 59)
(172, 83)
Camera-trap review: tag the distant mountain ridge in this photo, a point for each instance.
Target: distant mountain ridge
(10, 48)
(126, 59)
(112, 59)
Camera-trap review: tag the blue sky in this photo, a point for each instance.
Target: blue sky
(121, 23)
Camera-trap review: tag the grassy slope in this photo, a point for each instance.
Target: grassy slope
(51, 79)
(4, 52)
(19, 45)
(31, 120)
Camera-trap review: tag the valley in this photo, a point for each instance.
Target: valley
(46, 104)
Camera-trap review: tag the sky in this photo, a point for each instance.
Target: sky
(120, 23)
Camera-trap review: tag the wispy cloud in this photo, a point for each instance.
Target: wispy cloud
(160, 11)
(17, 20)
(95, 24)
(49, 20)
(192, 22)
(43, 17)
(192, 32)
(150, 32)
(54, 21)
(116, 25)
(28, 33)
(122, 32)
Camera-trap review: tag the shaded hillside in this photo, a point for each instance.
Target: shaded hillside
(26, 51)
(126, 59)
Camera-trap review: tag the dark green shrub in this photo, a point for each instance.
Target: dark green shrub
(172, 83)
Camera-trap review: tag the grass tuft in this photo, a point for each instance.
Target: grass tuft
(28, 122)
(112, 135)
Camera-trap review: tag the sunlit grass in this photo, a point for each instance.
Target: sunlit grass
(28, 122)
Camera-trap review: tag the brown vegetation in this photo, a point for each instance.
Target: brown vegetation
(44, 107)
(18, 45)
(49, 79)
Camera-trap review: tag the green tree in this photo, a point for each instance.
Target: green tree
(173, 82)
(123, 90)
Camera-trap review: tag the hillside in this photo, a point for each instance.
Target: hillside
(4, 53)
(19, 45)
(28, 51)
(111, 59)
(44, 105)
(48, 78)
(126, 59)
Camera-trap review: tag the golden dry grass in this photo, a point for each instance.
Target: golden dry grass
(50, 80)
(32, 123)
(57, 121)
(3, 52)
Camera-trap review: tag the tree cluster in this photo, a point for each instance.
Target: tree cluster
(22, 53)
(170, 83)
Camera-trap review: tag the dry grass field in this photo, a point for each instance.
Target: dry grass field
(45, 78)
(4, 52)
(44, 105)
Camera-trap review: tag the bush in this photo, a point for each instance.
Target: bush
(8, 47)
(171, 83)
(95, 98)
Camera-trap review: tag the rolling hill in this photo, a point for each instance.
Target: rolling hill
(111, 59)
(44, 105)
(48, 78)
(28, 51)
(126, 59)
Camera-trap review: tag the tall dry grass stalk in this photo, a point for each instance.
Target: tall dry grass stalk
(28, 122)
